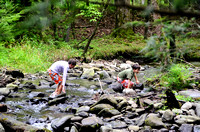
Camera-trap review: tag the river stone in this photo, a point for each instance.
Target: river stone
(190, 93)
(2, 128)
(4, 91)
(129, 91)
(107, 99)
(122, 104)
(57, 101)
(133, 128)
(104, 75)
(82, 114)
(83, 108)
(197, 109)
(106, 129)
(12, 86)
(184, 119)
(117, 87)
(29, 85)
(118, 124)
(108, 112)
(3, 108)
(97, 108)
(186, 106)
(59, 123)
(140, 121)
(12, 125)
(88, 73)
(186, 128)
(2, 98)
(168, 115)
(91, 123)
(36, 94)
(196, 128)
(154, 122)
(73, 129)
(76, 119)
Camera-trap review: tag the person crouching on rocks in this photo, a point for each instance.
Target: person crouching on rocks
(57, 68)
(125, 76)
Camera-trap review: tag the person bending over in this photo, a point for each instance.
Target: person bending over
(57, 68)
(125, 76)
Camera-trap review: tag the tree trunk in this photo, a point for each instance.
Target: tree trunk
(67, 33)
(156, 16)
(146, 20)
(172, 47)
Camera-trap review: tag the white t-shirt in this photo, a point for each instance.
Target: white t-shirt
(61, 67)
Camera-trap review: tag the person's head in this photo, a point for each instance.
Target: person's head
(136, 68)
(72, 63)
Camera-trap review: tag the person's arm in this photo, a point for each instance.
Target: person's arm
(136, 79)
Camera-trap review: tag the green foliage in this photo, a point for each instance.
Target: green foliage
(92, 12)
(176, 77)
(8, 19)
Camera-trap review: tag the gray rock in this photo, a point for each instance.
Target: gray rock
(190, 93)
(60, 123)
(73, 129)
(117, 87)
(118, 124)
(129, 91)
(91, 123)
(140, 121)
(106, 129)
(2, 128)
(154, 122)
(196, 128)
(168, 115)
(186, 128)
(83, 108)
(184, 119)
(88, 73)
(186, 106)
(97, 108)
(5, 91)
(108, 112)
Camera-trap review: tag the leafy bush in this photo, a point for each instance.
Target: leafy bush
(176, 77)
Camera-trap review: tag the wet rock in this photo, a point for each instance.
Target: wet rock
(12, 87)
(186, 128)
(76, 119)
(129, 91)
(184, 119)
(108, 112)
(12, 125)
(97, 108)
(2, 128)
(91, 123)
(168, 115)
(82, 114)
(138, 86)
(88, 73)
(154, 122)
(197, 109)
(196, 128)
(141, 120)
(117, 87)
(106, 129)
(5, 91)
(60, 123)
(118, 124)
(133, 128)
(29, 85)
(3, 108)
(73, 129)
(15, 74)
(186, 106)
(104, 75)
(2, 98)
(107, 99)
(36, 94)
(83, 108)
(190, 93)
(57, 100)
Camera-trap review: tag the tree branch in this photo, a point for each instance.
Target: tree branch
(141, 8)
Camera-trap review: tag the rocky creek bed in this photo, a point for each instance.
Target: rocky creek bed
(94, 102)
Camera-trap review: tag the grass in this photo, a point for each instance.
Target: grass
(31, 56)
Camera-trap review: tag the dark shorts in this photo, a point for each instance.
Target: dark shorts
(55, 77)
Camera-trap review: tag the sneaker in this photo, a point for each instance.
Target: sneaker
(53, 95)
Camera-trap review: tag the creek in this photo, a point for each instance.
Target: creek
(25, 107)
